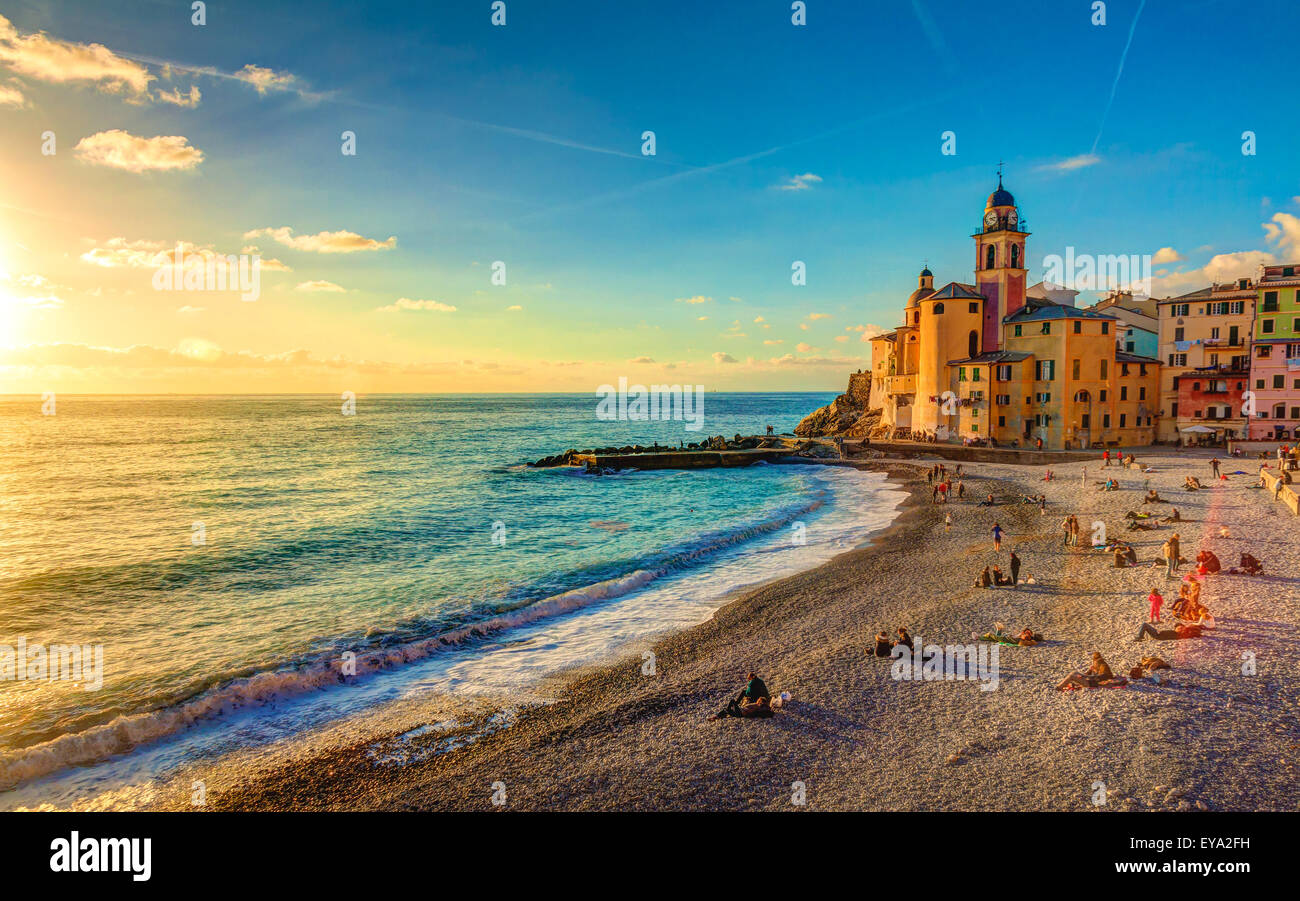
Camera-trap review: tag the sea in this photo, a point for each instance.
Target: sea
(261, 573)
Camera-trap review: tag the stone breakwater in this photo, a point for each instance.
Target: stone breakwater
(715, 451)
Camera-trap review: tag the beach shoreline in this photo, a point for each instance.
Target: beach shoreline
(854, 738)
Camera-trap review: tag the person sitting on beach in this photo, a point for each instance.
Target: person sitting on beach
(754, 700)
(1250, 566)
(1125, 556)
(904, 638)
(1098, 674)
(1209, 561)
(988, 502)
(1153, 497)
(883, 644)
(1179, 631)
(1191, 483)
(998, 578)
(983, 580)
(1174, 516)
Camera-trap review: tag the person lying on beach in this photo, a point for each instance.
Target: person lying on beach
(1148, 667)
(1097, 675)
(883, 644)
(1134, 515)
(1209, 561)
(1179, 631)
(1025, 638)
(1153, 497)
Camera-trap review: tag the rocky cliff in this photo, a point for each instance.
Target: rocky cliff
(847, 416)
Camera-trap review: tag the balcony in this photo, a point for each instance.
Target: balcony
(900, 384)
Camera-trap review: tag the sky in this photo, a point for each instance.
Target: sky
(126, 128)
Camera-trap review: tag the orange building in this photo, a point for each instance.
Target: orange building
(991, 361)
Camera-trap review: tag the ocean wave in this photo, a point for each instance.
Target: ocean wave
(399, 647)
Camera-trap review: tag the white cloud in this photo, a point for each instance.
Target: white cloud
(43, 58)
(187, 309)
(323, 242)
(815, 316)
(697, 299)
(1166, 255)
(319, 285)
(641, 360)
(800, 182)
(1069, 164)
(176, 98)
(514, 308)
(266, 79)
(122, 150)
(719, 358)
(406, 304)
(11, 95)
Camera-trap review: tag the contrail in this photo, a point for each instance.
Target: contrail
(1120, 71)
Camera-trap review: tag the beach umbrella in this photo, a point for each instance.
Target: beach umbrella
(1199, 430)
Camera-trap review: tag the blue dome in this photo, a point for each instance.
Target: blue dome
(1000, 197)
(926, 273)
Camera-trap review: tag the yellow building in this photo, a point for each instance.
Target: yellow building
(991, 361)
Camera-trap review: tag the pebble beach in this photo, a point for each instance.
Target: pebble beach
(1220, 732)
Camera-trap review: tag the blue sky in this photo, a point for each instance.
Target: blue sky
(522, 144)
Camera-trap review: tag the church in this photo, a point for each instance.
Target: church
(997, 360)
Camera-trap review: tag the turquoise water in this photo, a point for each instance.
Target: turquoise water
(228, 552)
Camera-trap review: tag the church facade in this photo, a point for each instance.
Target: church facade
(995, 359)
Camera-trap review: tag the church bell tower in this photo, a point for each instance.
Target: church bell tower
(1000, 263)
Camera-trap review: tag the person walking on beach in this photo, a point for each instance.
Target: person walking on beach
(1015, 569)
(1156, 602)
(1177, 546)
(1105, 458)
(1214, 467)
(1067, 529)
(961, 489)
(934, 494)
(947, 522)
(1075, 529)
(1171, 559)
(1038, 443)
(997, 537)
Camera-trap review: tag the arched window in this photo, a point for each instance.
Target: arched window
(938, 308)
(973, 343)
(916, 317)
(1015, 256)
(988, 257)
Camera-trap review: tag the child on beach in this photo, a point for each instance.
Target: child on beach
(997, 536)
(947, 522)
(1156, 601)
